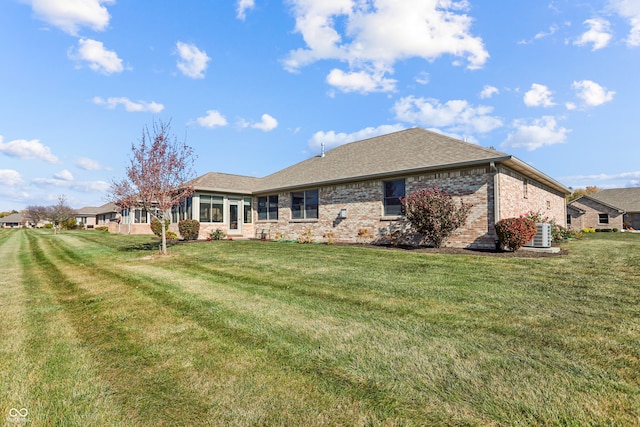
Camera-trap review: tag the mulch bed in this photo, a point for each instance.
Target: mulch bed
(460, 251)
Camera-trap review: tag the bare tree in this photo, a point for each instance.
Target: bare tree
(36, 213)
(59, 213)
(157, 176)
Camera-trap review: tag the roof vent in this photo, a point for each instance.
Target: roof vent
(322, 153)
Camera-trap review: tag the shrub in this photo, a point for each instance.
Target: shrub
(364, 235)
(68, 224)
(171, 235)
(217, 235)
(156, 227)
(434, 214)
(102, 228)
(514, 233)
(331, 237)
(306, 236)
(189, 229)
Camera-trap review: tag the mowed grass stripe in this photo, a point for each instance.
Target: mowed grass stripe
(211, 368)
(14, 369)
(61, 384)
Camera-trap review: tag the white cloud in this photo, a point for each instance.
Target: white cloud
(65, 180)
(360, 81)
(423, 78)
(375, 34)
(193, 61)
(539, 133)
(591, 93)
(243, 6)
(211, 120)
(99, 59)
(332, 139)
(488, 91)
(90, 164)
(629, 9)
(10, 178)
(605, 177)
(599, 34)
(538, 96)
(130, 106)
(28, 150)
(64, 175)
(267, 124)
(455, 115)
(71, 15)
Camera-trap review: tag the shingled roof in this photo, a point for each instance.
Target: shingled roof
(400, 153)
(623, 198)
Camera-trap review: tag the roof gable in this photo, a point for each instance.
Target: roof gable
(581, 200)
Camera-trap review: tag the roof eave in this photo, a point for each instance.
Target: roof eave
(390, 174)
(528, 170)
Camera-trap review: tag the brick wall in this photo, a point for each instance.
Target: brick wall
(363, 202)
(591, 217)
(519, 195)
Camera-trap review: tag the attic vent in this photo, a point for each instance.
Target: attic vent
(542, 239)
(322, 153)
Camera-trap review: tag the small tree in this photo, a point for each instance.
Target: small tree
(434, 214)
(158, 175)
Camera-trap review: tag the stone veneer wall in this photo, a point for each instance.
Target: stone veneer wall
(363, 202)
(518, 198)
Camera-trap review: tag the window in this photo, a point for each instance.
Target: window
(568, 219)
(525, 188)
(268, 208)
(393, 191)
(247, 210)
(181, 211)
(603, 218)
(304, 204)
(211, 208)
(140, 216)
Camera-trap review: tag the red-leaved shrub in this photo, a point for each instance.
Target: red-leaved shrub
(514, 233)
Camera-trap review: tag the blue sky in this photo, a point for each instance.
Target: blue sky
(257, 85)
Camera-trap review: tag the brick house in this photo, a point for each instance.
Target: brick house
(627, 199)
(589, 212)
(358, 186)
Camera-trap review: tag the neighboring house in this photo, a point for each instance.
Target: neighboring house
(86, 217)
(589, 212)
(627, 199)
(15, 220)
(358, 186)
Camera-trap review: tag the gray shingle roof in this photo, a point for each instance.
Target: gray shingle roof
(12, 219)
(623, 198)
(400, 153)
(227, 183)
(404, 151)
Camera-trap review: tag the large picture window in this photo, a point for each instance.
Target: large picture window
(304, 204)
(268, 208)
(211, 208)
(393, 192)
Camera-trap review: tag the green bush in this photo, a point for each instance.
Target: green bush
(514, 233)
(217, 235)
(156, 227)
(189, 229)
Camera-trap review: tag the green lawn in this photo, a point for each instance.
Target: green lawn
(97, 330)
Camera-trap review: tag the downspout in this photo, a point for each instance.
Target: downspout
(496, 199)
